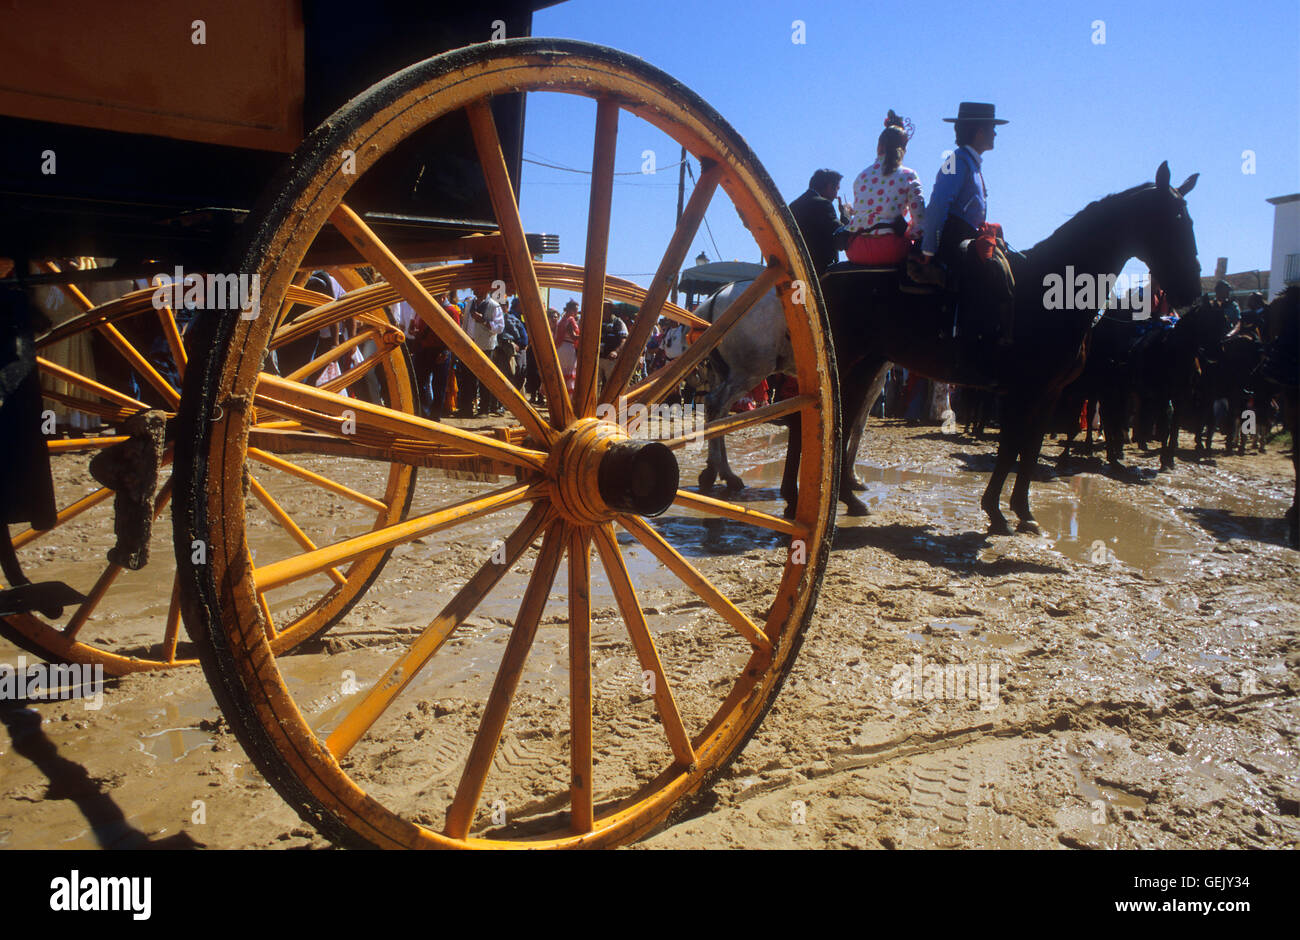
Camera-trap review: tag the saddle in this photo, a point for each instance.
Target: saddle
(893, 275)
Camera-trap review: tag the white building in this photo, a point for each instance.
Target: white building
(1285, 266)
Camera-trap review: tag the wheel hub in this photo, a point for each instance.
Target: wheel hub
(599, 472)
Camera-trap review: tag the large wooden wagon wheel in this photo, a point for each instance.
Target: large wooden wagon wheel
(572, 711)
(130, 620)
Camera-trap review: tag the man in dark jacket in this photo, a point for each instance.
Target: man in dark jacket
(816, 214)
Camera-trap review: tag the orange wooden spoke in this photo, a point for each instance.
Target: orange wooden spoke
(173, 630)
(559, 276)
(593, 284)
(674, 562)
(79, 444)
(666, 380)
(580, 763)
(71, 512)
(347, 277)
(286, 522)
(387, 422)
(717, 507)
(141, 365)
(412, 291)
(111, 413)
(282, 572)
(167, 320)
(302, 473)
(71, 291)
(639, 633)
(360, 305)
(109, 575)
(520, 260)
(744, 419)
(90, 385)
(461, 812)
(663, 281)
(354, 375)
(87, 607)
(331, 355)
(399, 675)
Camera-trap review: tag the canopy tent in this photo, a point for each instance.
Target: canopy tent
(703, 279)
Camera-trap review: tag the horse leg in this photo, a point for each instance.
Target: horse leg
(1112, 426)
(729, 476)
(859, 425)
(1031, 446)
(1008, 438)
(710, 472)
(855, 389)
(850, 476)
(790, 476)
(1170, 448)
(717, 402)
(716, 456)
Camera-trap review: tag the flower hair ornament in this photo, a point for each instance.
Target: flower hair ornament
(903, 124)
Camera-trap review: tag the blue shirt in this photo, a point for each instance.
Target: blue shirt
(960, 193)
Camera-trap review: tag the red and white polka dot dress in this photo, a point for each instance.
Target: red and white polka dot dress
(879, 198)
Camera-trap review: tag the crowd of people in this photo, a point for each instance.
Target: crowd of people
(450, 389)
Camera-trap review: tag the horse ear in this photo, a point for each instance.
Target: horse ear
(1162, 176)
(1188, 184)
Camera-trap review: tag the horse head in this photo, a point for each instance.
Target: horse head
(1165, 241)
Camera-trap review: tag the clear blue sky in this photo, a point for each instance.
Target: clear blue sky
(1193, 83)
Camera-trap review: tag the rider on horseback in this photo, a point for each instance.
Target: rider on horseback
(881, 194)
(956, 215)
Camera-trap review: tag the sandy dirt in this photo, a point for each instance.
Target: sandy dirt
(1133, 675)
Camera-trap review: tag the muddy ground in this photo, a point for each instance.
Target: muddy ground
(1135, 676)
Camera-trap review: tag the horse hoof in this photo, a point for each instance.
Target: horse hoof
(999, 527)
(706, 481)
(857, 485)
(735, 484)
(1030, 527)
(857, 507)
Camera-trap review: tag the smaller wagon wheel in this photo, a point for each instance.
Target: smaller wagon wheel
(536, 708)
(130, 620)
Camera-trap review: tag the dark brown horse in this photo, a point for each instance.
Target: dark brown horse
(874, 321)
(1167, 368)
(1281, 370)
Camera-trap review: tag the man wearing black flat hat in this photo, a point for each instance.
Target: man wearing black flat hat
(957, 208)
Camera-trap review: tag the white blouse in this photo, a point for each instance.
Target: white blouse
(879, 197)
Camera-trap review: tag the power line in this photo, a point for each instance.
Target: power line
(716, 253)
(570, 169)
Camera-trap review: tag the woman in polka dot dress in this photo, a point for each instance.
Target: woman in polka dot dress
(881, 194)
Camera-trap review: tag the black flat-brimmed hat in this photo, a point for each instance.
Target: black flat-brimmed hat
(976, 111)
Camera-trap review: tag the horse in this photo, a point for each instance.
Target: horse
(1231, 377)
(874, 322)
(1107, 381)
(1167, 364)
(1281, 370)
(746, 357)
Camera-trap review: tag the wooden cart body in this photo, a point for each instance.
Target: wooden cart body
(148, 131)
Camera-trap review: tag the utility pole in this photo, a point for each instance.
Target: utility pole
(681, 190)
